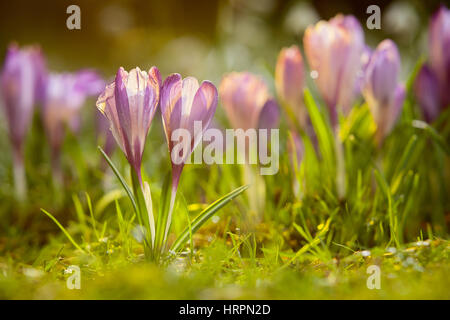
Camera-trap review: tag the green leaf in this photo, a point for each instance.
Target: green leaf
(324, 135)
(433, 134)
(122, 180)
(204, 216)
(163, 212)
(393, 223)
(402, 165)
(62, 229)
(91, 212)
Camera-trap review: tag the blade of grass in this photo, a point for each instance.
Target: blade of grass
(121, 180)
(91, 212)
(204, 216)
(62, 229)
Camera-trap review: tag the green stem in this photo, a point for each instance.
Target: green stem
(143, 218)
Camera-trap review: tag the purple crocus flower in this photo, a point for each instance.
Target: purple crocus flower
(129, 103)
(185, 103)
(432, 84)
(381, 88)
(66, 93)
(247, 102)
(22, 80)
(290, 82)
(333, 49)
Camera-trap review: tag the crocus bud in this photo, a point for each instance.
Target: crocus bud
(244, 97)
(22, 81)
(290, 82)
(185, 106)
(381, 89)
(333, 49)
(65, 95)
(184, 102)
(129, 103)
(439, 44)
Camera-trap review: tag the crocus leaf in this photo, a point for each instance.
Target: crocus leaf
(67, 234)
(393, 221)
(143, 215)
(122, 181)
(163, 212)
(204, 216)
(324, 135)
(434, 135)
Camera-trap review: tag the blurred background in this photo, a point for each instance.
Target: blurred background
(203, 38)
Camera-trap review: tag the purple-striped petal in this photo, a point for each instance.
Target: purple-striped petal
(129, 103)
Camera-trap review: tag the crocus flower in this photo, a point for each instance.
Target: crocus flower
(247, 102)
(433, 81)
(333, 49)
(22, 80)
(129, 103)
(290, 82)
(184, 102)
(65, 95)
(381, 89)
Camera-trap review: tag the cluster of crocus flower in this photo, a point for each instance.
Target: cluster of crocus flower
(130, 103)
(26, 82)
(343, 67)
(432, 85)
(22, 86)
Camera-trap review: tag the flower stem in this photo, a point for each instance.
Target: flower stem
(20, 182)
(341, 184)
